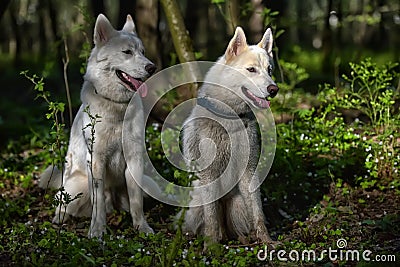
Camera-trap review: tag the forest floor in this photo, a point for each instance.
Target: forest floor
(366, 220)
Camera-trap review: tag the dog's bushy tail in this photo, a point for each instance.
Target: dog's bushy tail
(50, 178)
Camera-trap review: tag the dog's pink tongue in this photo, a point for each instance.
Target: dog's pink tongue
(262, 103)
(140, 87)
(143, 90)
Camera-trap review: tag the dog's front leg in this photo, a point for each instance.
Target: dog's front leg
(212, 229)
(258, 215)
(96, 174)
(135, 194)
(212, 219)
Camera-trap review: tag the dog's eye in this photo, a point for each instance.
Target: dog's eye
(251, 69)
(127, 51)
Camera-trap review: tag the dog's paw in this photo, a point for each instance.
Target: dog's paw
(60, 218)
(96, 231)
(273, 244)
(267, 240)
(145, 228)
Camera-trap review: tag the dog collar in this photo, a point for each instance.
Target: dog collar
(211, 106)
(109, 99)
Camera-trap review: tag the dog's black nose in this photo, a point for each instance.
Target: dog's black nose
(272, 90)
(150, 68)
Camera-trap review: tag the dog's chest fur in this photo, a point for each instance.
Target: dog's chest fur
(108, 133)
(209, 128)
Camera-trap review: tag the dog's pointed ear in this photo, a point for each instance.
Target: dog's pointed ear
(103, 30)
(129, 25)
(237, 44)
(267, 41)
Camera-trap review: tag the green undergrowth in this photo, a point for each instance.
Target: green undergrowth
(334, 177)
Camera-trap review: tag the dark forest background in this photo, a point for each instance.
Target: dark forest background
(321, 36)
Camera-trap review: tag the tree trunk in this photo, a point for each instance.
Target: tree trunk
(3, 7)
(232, 10)
(327, 45)
(256, 22)
(183, 46)
(180, 36)
(147, 20)
(43, 40)
(127, 7)
(196, 18)
(58, 39)
(17, 35)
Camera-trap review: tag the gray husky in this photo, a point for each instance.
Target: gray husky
(219, 116)
(96, 165)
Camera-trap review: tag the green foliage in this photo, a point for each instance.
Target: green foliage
(290, 94)
(55, 115)
(321, 159)
(370, 89)
(318, 146)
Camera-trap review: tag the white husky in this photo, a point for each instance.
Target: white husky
(96, 164)
(246, 71)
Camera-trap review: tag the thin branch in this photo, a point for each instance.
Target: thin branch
(65, 63)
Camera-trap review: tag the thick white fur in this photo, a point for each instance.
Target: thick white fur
(106, 183)
(239, 213)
